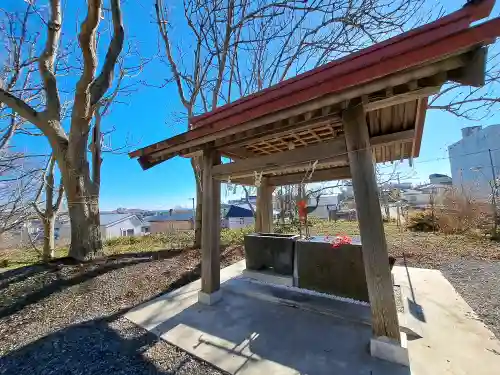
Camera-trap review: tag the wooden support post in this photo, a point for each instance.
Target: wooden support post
(375, 256)
(266, 206)
(210, 235)
(269, 211)
(259, 208)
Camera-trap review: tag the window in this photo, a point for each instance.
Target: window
(127, 232)
(242, 220)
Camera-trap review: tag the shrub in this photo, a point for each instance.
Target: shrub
(235, 236)
(460, 214)
(423, 221)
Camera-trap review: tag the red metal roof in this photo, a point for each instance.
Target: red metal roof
(430, 42)
(411, 40)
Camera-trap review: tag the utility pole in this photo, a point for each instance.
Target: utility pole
(493, 194)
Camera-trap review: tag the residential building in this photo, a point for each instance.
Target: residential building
(112, 225)
(120, 225)
(238, 217)
(325, 204)
(475, 160)
(171, 221)
(252, 199)
(429, 194)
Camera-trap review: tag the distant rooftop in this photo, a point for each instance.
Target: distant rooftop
(110, 218)
(175, 216)
(239, 211)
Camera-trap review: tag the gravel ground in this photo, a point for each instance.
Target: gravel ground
(478, 282)
(68, 319)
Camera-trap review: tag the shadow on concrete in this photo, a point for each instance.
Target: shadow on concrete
(245, 330)
(414, 308)
(48, 278)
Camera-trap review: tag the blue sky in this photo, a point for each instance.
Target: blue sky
(149, 116)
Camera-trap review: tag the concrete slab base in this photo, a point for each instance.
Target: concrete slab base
(268, 277)
(209, 299)
(254, 330)
(343, 308)
(454, 340)
(248, 336)
(390, 350)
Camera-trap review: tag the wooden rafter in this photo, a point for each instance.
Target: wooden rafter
(332, 151)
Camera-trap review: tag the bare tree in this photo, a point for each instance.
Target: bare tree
(18, 68)
(70, 148)
(240, 46)
(18, 176)
(49, 214)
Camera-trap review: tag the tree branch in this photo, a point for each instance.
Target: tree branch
(87, 41)
(22, 108)
(47, 58)
(96, 150)
(103, 81)
(162, 27)
(60, 196)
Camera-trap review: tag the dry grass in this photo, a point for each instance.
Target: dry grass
(427, 250)
(420, 249)
(14, 258)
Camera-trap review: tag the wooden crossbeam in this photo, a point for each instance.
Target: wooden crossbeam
(339, 173)
(328, 152)
(247, 178)
(320, 151)
(387, 139)
(402, 98)
(327, 174)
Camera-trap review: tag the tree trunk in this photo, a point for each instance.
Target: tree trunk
(48, 239)
(199, 205)
(83, 207)
(86, 240)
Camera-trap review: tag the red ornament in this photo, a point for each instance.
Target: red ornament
(302, 209)
(341, 240)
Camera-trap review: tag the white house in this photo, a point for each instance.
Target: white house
(238, 217)
(326, 203)
(426, 195)
(120, 225)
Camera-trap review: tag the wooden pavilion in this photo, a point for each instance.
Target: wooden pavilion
(367, 107)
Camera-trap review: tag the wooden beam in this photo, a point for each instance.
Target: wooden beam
(279, 160)
(328, 153)
(210, 232)
(374, 246)
(281, 131)
(339, 173)
(337, 161)
(387, 139)
(292, 175)
(264, 207)
(258, 209)
(419, 127)
(472, 74)
(402, 98)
